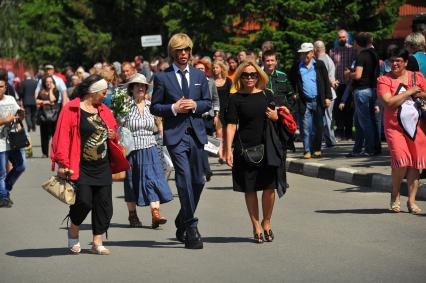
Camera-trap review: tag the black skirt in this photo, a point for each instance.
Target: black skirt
(250, 178)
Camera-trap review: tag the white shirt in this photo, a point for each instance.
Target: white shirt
(179, 79)
(179, 76)
(8, 106)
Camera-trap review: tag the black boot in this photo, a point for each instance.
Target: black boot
(193, 239)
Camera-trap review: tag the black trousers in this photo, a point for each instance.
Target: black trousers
(47, 130)
(30, 116)
(343, 118)
(97, 199)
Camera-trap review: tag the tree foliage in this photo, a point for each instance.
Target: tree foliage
(83, 31)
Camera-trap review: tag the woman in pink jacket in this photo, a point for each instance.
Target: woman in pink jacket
(80, 149)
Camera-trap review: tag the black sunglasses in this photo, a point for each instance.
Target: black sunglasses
(245, 75)
(187, 49)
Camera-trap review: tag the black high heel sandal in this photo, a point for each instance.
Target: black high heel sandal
(258, 238)
(269, 236)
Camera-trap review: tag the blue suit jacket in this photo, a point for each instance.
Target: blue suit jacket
(167, 91)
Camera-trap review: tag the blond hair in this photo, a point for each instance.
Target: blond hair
(178, 41)
(223, 68)
(261, 81)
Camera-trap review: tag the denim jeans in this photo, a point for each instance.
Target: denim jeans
(365, 122)
(330, 139)
(312, 125)
(7, 180)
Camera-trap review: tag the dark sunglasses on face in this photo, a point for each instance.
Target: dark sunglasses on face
(187, 49)
(245, 75)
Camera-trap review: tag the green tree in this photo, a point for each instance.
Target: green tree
(61, 31)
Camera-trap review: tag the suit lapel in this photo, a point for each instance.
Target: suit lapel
(174, 81)
(192, 82)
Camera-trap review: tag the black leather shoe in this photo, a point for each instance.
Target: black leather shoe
(193, 239)
(181, 234)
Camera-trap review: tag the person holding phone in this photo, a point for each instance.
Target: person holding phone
(9, 112)
(248, 110)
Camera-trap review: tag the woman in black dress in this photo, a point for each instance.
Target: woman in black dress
(223, 85)
(248, 108)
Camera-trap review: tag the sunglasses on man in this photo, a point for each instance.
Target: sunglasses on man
(187, 49)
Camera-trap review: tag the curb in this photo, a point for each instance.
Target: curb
(374, 181)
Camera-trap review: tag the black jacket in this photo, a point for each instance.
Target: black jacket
(26, 92)
(323, 84)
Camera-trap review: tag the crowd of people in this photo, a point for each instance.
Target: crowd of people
(238, 98)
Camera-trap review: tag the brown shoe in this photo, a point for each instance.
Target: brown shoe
(156, 218)
(134, 220)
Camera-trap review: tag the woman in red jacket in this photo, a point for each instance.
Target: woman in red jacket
(80, 150)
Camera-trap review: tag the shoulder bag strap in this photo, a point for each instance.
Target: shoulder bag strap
(413, 79)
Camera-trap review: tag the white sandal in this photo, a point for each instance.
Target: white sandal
(100, 250)
(74, 245)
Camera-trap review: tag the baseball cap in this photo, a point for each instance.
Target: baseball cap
(306, 47)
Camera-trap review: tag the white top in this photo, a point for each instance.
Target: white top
(8, 106)
(178, 76)
(141, 125)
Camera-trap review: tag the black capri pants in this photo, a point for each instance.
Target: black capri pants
(97, 199)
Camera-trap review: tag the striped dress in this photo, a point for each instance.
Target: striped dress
(145, 181)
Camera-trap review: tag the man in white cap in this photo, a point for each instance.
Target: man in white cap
(310, 80)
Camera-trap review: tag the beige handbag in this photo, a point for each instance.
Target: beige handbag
(60, 189)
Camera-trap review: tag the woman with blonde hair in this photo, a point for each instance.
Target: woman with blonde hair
(249, 110)
(223, 85)
(110, 75)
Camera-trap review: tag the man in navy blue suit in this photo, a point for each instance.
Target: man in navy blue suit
(181, 95)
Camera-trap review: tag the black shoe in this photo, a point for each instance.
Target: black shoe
(193, 239)
(352, 154)
(181, 234)
(209, 175)
(5, 202)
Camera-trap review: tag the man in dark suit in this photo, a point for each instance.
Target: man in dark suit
(26, 95)
(181, 95)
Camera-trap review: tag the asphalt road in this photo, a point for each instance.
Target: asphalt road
(325, 232)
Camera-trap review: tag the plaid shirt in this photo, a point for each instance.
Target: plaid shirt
(342, 58)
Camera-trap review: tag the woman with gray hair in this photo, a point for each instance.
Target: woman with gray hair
(415, 44)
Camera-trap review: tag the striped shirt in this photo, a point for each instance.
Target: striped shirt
(142, 126)
(342, 58)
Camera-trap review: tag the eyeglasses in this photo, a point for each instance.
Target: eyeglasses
(245, 75)
(187, 49)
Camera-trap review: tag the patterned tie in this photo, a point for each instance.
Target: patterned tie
(184, 81)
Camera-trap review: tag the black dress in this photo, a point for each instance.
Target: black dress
(248, 110)
(223, 92)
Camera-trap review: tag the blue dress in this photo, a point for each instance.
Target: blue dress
(145, 181)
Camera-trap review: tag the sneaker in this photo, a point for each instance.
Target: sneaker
(307, 155)
(5, 202)
(317, 154)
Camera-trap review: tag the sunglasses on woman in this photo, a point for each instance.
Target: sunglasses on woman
(245, 75)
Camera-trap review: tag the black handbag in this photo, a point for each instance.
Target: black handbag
(18, 137)
(48, 113)
(252, 155)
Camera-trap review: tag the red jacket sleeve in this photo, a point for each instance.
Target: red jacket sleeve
(60, 148)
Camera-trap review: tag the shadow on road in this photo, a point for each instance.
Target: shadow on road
(142, 244)
(357, 211)
(219, 188)
(84, 227)
(46, 252)
(359, 190)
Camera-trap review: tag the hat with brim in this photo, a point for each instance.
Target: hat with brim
(49, 67)
(137, 79)
(306, 47)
